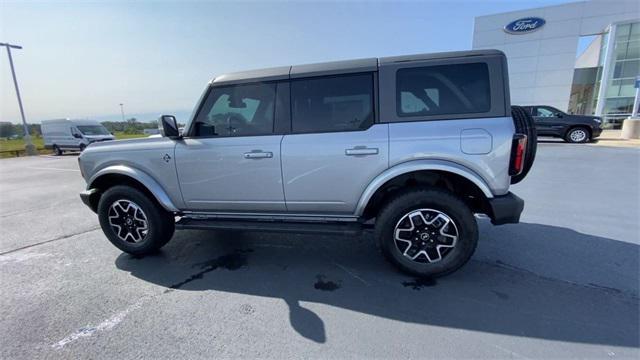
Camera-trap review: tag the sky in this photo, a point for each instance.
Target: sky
(82, 59)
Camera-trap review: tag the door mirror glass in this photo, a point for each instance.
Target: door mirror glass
(169, 126)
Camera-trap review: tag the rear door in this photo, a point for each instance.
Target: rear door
(335, 147)
(230, 158)
(547, 120)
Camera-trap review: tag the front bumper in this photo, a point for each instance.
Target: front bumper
(505, 209)
(595, 132)
(90, 198)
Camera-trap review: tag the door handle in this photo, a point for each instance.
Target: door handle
(361, 150)
(257, 154)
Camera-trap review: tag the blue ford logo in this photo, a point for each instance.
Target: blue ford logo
(524, 25)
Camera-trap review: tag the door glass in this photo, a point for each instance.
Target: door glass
(337, 103)
(543, 112)
(238, 110)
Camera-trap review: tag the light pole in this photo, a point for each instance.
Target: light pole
(122, 111)
(29, 147)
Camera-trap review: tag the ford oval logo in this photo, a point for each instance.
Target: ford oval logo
(524, 25)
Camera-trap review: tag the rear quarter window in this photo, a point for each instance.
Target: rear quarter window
(443, 90)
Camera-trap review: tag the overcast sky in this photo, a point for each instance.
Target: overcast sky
(81, 59)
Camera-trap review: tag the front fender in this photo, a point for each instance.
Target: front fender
(145, 179)
(418, 165)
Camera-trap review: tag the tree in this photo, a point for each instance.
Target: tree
(131, 127)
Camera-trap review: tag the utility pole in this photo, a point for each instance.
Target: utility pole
(122, 111)
(29, 147)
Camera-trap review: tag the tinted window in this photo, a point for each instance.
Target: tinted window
(443, 89)
(545, 112)
(92, 130)
(238, 110)
(338, 103)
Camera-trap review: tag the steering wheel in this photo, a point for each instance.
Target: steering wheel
(235, 122)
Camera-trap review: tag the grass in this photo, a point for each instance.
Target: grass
(18, 144)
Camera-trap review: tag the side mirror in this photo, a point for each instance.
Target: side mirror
(559, 114)
(169, 126)
(77, 136)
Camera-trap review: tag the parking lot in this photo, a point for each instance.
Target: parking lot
(562, 283)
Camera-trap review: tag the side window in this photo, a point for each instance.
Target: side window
(336, 103)
(443, 90)
(544, 112)
(237, 110)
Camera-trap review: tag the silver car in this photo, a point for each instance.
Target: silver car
(410, 146)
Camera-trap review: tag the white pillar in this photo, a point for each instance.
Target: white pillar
(609, 57)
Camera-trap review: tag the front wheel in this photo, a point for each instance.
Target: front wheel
(578, 135)
(427, 232)
(133, 222)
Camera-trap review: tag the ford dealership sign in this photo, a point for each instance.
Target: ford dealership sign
(524, 25)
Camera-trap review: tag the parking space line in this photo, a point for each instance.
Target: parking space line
(52, 240)
(105, 325)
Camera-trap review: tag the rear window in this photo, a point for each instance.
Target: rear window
(443, 90)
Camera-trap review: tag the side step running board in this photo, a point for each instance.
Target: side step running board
(337, 228)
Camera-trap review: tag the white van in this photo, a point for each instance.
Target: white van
(65, 134)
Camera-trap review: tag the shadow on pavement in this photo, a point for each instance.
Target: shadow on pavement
(349, 273)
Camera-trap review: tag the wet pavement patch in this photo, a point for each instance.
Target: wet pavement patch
(232, 261)
(419, 283)
(325, 285)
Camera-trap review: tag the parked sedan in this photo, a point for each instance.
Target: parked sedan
(550, 121)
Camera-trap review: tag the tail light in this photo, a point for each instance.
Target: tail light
(518, 152)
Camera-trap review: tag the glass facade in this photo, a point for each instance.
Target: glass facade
(619, 94)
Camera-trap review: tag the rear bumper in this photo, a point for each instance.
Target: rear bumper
(505, 209)
(90, 198)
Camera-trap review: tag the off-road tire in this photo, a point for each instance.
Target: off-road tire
(160, 223)
(427, 198)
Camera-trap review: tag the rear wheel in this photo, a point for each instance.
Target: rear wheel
(56, 150)
(133, 222)
(578, 135)
(427, 232)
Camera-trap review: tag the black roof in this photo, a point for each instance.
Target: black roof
(337, 67)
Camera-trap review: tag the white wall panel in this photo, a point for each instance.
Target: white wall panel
(541, 63)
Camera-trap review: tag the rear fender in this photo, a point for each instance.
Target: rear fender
(419, 165)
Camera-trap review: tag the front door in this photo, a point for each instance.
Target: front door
(334, 149)
(230, 158)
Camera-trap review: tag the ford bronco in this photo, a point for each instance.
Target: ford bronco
(412, 147)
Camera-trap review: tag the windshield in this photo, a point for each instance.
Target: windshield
(93, 130)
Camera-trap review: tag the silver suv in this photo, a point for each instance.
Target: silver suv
(410, 146)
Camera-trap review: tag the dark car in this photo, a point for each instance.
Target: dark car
(572, 128)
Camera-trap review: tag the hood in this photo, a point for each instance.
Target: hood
(143, 143)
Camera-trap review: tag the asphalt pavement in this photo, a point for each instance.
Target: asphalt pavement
(564, 283)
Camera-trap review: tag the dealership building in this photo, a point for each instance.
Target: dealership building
(581, 58)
